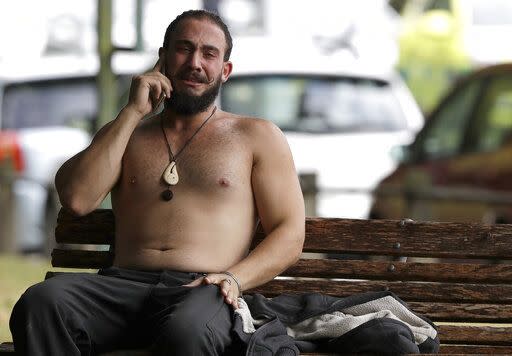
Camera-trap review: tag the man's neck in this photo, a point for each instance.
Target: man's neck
(180, 122)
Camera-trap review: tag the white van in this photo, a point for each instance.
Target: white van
(340, 114)
(48, 111)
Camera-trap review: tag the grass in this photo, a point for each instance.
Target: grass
(17, 273)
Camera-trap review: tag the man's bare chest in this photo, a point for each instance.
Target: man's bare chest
(207, 165)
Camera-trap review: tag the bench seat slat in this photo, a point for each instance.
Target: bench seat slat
(475, 350)
(488, 335)
(408, 291)
(464, 312)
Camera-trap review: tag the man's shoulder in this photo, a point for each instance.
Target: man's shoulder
(262, 136)
(252, 125)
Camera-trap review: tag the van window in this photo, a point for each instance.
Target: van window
(314, 103)
(67, 102)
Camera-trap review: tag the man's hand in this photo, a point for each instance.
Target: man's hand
(149, 89)
(227, 285)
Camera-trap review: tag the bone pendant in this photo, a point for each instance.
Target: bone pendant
(171, 174)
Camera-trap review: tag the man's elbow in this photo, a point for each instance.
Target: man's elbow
(75, 204)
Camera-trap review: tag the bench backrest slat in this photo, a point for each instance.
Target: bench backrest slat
(332, 235)
(395, 238)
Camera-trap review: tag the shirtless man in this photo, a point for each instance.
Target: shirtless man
(181, 256)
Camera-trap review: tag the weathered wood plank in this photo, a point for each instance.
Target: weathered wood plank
(408, 291)
(475, 350)
(333, 235)
(421, 239)
(475, 335)
(74, 233)
(97, 216)
(406, 271)
(464, 312)
(81, 259)
(354, 269)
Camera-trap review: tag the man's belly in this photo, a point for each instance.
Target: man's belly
(178, 259)
(196, 243)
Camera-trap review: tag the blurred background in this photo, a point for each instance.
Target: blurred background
(392, 109)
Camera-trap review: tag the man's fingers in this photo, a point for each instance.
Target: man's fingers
(194, 283)
(235, 303)
(214, 278)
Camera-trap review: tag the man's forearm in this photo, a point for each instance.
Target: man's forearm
(278, 251)
(85, 179)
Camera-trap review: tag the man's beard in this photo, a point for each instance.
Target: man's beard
(183, 103)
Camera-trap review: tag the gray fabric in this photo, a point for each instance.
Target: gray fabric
(368, 322)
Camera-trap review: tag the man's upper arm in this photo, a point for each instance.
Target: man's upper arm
(274, 179)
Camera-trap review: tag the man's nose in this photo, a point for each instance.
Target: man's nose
(195, 60)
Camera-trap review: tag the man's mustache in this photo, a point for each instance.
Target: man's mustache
(196, 77)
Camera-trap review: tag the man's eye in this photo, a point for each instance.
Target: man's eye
(209, 54)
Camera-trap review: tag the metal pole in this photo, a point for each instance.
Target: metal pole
(106, 80)
(139, 12)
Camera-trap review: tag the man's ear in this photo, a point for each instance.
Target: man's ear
(226, 70)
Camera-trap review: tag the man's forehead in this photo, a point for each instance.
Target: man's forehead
(201, 29)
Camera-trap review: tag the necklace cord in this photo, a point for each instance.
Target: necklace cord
(174, 157)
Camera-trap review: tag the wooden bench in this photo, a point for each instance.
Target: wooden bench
(457, 274)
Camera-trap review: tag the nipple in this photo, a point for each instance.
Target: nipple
(133, 180)
(223, 182)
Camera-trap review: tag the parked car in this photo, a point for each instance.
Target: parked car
(48, 111)
(341, 115)
(458, 168)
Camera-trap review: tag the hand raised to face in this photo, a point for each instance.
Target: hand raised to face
(148, 90)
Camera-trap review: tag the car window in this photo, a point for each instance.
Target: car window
(49, 103)
(316, 104)
(443, 136)
(493, 120)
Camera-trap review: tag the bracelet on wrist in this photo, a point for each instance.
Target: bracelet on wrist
(236, 281)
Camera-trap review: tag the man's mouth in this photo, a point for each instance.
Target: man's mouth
(194, 79)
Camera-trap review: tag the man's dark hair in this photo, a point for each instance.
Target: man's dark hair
(200, 15)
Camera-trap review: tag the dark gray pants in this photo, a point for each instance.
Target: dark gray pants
(86, 314)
